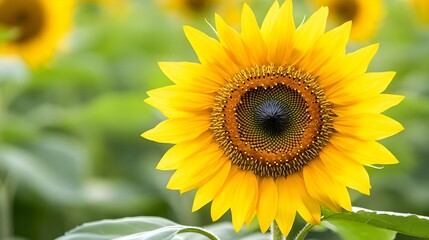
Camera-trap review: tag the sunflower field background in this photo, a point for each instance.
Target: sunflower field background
(70, 145)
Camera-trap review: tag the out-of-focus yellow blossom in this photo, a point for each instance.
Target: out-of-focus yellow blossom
(364, 14)
(38, 26)
(422, 9)
(231, 9)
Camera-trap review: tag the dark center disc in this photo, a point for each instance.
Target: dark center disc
(272, 117)
(197, 5)
(271, 120)
(27, 16)
(346, 10)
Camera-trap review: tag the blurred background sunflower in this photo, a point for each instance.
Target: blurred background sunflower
(70, 145)
(35, 27)
(422, 9)
(365, 15)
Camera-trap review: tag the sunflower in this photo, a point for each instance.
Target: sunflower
(39, 26)
(274, 120)
(422, 9)
(364, 14)
(190, 7)
(194, 8)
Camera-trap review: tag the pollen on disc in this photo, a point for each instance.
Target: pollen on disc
(272, 120)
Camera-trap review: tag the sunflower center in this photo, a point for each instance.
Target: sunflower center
(196, 5)
(345, 10)
(272, 117)
(272, 120)
(27, 16)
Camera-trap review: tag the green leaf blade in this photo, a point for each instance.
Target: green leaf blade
(110, 229)
(134, 228)
(357, 231)
(404, 223)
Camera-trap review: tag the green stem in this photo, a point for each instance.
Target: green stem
(276, 234)
(301, 235)
(201, 231)
(5, 208)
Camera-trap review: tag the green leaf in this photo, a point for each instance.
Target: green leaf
(357, 231)
(405, 223)
(224, 230)
(132, 228)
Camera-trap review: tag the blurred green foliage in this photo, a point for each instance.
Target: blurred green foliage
(70, 150)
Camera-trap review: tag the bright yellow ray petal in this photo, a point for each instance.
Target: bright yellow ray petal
(329, 46)
(267, 205)
(268, 23)
(349, 76)
(307, 207)
(222, 200)
(177, 130)
(361, 58)
(192, 76)
(363, 152)
(231, 40)
(321, 186)
(179, 152)
(250, 217)
(171, 112)
(348, 172)
(309, 33)
(280, 45)
(377, 104)
(367, 126)
(366, 86)
(245, 197)
(207, 192)
(196, 170)
(210, 52)
(178, 98)
(286, 208)
(252, 37)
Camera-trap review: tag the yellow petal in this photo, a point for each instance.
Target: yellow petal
(309, 33)
(196, 170)
(222, 200)
(377, 104)
(210, 52)
(361, 58)
(207, 192)
(179, 152)
(330, 45)
(348, 78)
(231, 40)
(177, 130)
(268, 23)
(252, 37)
(345, 170)
(267, 205)
(245, 197)
(178, 98)
(363, 152)
(366, 86)
(250, 218)
(171, 112)
(307, 207)
(367, 126)
(321, 186)
(280, 45)
(192, 76)
(286, 208)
